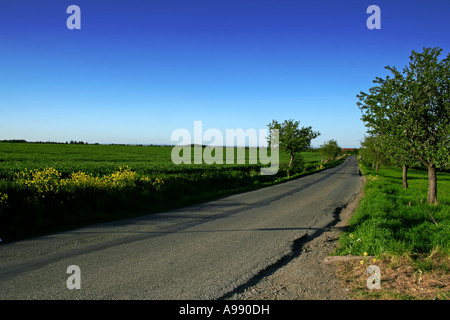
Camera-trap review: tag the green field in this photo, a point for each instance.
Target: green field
(50, 187)
(104, 159)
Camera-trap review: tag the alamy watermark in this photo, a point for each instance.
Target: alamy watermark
(216, 146)
(74, 20)
(74, 280)
(374, 21)
(374, 281)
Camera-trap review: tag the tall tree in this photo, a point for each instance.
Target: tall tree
(384, 124)
(293, 139)
(331, 150)
(412, 109)
(401, 155)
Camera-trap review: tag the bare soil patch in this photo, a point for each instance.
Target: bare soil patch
(424, 277)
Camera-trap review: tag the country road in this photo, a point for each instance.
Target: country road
(200, 252)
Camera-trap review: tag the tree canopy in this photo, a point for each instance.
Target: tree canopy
(410, 111)
(331, 150)
(292, 138)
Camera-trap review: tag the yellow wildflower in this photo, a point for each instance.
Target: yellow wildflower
(40, 181)
(146, 179)
(3, 198)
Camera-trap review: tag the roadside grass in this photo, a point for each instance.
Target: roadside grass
(409, 238)
(47, 188)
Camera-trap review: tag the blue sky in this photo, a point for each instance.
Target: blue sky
(138, 70)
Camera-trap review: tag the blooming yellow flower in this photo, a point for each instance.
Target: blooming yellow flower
(47, 182)
(365, 254)
(3, 198)
(361, 262)
(40, 181)
(146, 179)
(374, 260)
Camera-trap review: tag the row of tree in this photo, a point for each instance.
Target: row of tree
(407, 115)
(43, 142)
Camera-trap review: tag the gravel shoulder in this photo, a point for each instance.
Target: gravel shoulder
(309, 275)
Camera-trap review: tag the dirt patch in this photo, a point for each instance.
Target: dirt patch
(405, 277)
(309, 276)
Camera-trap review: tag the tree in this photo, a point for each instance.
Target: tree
(331, 150)
(399, 154)
(385, 144)
(412, 109)
(373, 151)
(293, 139)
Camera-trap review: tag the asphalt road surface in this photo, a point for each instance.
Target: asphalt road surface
(200, 252)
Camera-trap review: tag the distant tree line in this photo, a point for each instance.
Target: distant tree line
(76, 142)
(44, 142)
(14, 141)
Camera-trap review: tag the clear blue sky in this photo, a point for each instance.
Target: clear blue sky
(138, 70)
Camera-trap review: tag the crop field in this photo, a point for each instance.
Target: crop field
(50, 187)
(105, 159)
(95, 159)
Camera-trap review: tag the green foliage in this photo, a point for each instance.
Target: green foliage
(292, 139)
(331, 150)
(409, 113)
(374, 150)
(411, 109)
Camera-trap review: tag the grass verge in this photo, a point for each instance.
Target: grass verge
(408, 238)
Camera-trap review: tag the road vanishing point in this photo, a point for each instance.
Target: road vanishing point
(201, 252)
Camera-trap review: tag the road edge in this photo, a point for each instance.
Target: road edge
(305, 274)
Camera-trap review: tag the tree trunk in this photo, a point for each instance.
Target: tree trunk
(378, 166)
(292, 159)
(405, 176)
(432, 185)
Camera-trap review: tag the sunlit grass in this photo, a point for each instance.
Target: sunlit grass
(392, 219)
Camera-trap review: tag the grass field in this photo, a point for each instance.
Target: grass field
(398, 220)
(50, 187)
(398, 231)
(105, 159)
